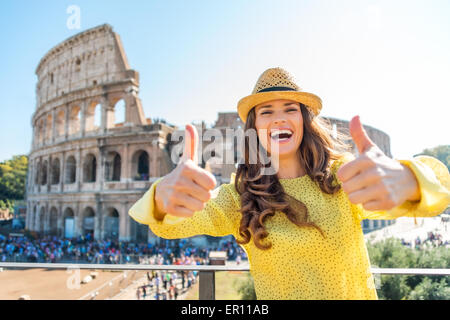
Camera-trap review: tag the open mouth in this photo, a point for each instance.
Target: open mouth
(281, 135)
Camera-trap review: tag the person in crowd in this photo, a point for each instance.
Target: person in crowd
(138, 293)
(176, 293)
(52, 249)
(144, 292)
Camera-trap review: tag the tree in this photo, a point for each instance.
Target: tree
(431, 290)
(13, 175)
(390, 253)
(440, 152)
(246, 289)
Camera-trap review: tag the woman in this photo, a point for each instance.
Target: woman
(301, 224)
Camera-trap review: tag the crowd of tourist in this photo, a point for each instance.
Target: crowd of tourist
(166, 285)
(84, 249)
(433, 240)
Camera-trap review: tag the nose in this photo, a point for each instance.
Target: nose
(279, 120)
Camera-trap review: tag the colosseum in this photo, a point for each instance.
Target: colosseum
(94, 152)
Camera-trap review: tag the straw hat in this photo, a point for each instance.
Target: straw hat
(274, 84)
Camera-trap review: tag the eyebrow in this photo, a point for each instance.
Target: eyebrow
(270, 106)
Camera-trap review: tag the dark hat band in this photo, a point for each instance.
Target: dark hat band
(276, 89)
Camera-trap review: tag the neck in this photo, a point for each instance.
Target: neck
(289, 167)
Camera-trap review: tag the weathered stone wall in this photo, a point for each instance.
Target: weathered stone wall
(94, 57)
(83, 162)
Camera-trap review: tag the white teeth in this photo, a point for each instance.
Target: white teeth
(278, 132)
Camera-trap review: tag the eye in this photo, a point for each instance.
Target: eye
(266, 112)
(292, 109)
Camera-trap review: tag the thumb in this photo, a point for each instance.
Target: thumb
(359, 135)
(190, 143)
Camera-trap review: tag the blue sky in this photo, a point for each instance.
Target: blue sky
(387, 61)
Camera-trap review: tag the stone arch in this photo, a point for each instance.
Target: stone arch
(88, 222)
(119, 113)
(44, 173)
(41, 220)
(35, 222)
(32, 217)
(48, 127)
(93, 116)
(140, 231)
(140, 164)
(113, 166)
(40, 131)
(89, 168)
(68, 223)
(74, 119)
(111, 224)
(53, 221)
(55, 171)
(60, 119)
(71, 170)
(37, 173)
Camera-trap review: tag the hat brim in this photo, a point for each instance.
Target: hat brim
(247, 103)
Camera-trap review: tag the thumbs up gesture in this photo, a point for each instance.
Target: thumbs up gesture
(373, 179)
(188, 187)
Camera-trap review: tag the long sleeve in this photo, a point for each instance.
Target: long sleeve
(434, 184)
(220, 217)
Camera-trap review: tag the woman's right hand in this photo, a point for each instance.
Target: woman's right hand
(188, 187)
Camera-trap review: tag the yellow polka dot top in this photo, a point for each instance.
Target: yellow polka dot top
(301, 264)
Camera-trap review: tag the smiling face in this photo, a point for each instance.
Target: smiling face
(280, 123)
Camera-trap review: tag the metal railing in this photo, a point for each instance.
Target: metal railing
(206, 272)
(74, 259)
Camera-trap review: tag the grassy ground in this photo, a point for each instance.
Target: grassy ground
(226, 285)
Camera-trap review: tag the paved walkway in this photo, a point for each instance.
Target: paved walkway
(130, 292)
(48, 284)
(406, 229)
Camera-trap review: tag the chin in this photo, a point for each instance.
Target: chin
(286, 151)
(284, 154)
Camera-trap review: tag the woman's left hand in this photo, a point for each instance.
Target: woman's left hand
(373, 179)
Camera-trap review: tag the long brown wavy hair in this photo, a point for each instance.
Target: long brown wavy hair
(263, 194)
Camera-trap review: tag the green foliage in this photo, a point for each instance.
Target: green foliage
(438, 258)
(440, 152)
(390, 253)
(247, 289)
(393, 288)
(431, 290)
(7, 204)
(13, 175)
